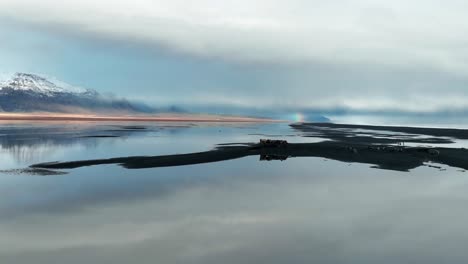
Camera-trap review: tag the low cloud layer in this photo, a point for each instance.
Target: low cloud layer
(356, 54)
(419, 33)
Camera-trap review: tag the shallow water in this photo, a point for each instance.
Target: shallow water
(301, 210)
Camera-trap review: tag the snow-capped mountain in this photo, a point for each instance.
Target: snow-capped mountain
(25, 92)
(40, 85)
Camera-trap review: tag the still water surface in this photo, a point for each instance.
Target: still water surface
(301, 210)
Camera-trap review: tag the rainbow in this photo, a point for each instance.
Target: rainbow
(299, 117)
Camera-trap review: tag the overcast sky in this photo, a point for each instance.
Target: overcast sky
(356, 54)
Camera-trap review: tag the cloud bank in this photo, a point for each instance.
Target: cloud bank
(356, 54)
(419, 33)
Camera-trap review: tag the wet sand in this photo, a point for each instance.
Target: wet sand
(436, 132)
(380, 156)
(48, 117)
(380, 150)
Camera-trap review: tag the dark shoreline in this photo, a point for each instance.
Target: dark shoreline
(342, 143)
(380, 156)
(436, 132)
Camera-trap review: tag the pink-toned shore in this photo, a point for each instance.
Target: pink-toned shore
(129, 118)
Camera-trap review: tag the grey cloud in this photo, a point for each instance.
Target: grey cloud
(355, 31)
(353, 54)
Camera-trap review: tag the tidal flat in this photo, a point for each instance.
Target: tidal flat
(187, 192)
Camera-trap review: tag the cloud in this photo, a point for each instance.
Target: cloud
(396, 33)
(349, 54)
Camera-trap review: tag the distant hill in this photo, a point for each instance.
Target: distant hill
(26, 92)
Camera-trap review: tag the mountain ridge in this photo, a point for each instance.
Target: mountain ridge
(26, 92)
